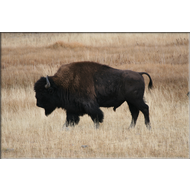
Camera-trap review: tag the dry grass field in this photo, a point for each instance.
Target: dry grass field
(28, 133)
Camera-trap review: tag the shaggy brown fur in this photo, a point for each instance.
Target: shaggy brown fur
(76, 78)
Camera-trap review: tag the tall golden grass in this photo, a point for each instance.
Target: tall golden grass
(28, 133)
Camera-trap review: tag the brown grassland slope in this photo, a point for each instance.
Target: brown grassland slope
(28, 133)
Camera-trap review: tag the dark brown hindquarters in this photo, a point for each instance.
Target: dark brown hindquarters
(136, 102)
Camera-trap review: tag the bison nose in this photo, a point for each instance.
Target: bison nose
(38, 104)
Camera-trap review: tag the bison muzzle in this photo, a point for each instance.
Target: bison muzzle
(83, 87)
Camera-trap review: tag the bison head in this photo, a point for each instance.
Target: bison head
(46, 94)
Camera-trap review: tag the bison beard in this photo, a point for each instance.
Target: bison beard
(83, 87)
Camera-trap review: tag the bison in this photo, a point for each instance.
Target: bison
(83, 87)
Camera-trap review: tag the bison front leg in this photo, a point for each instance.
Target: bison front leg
(65, 126)
(97, 117)
(96, 124)
(71, 120)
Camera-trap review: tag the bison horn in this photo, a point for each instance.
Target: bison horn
(48, 83)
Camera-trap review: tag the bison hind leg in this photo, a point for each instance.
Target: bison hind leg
(134, 113)
(140, 105)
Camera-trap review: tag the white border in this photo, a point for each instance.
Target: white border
(94, 16)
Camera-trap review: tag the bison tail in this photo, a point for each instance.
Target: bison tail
(150, 85)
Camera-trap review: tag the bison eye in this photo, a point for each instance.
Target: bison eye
(50, 90)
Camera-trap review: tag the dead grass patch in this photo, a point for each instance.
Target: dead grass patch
(61, 44)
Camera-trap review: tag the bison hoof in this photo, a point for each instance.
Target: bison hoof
(96, 125)
(148, 126)
(65, 129)
(131, 126)
(65, 124)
